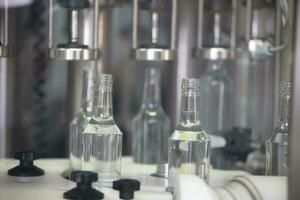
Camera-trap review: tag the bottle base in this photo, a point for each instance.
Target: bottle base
(105, 182)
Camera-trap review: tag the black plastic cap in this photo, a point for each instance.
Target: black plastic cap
(126, 187)
(26, 168)
(238, 143)
(83, 190)
(88, 194)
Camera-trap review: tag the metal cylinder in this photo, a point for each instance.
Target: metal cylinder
(135, 24)
(155, 27)
(74, 26)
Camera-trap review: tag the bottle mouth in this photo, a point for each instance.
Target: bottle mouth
(104, 81)
(153, 75)
(285, 87)
(190, 83)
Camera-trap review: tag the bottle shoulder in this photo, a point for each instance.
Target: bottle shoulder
(278, 137)
(218, 79)
(102, 127)
(218, 76)
(154, 113)
(80, 118)
(190, 135)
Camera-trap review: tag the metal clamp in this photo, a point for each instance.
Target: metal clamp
(153, 54)
(75, 54)
(260, 48)
(215, 53)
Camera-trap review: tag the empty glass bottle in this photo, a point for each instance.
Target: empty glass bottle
(189, 145)
(277, 144)
(151, 126)
(216, 100)
(80, 121)
(216, 106)
(102, 139)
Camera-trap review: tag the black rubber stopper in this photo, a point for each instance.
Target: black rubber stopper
(84, 190)
(26, 167)
(126, 187)
(74, 4)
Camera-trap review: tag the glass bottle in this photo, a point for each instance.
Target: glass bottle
(102, 139)
(216, 106)
(80, 121)
(151, 126)
(189, 145)
(277, 144)
(216, 100)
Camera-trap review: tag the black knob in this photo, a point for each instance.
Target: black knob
(127, 187)
(26, 167)
(84, 177)
(84, 190)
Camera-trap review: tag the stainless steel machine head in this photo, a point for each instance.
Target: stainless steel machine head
(153, 51)
(74, 49)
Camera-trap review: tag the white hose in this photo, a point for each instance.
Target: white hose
(245, 187)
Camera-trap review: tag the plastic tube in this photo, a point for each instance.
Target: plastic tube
(246, 187)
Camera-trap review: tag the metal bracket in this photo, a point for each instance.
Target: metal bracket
(70, 54)
(215, 53)
(153, 54)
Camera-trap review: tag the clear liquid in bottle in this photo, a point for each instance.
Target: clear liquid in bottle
(189, 154)
(81, 120)
(102, 139)
(189, 145)
(103, 151)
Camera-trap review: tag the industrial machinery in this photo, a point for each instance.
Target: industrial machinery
(221, 75)
(75, 49)
(154, 51)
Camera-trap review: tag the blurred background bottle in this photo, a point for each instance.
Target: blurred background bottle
(216, 105)
(102, 139)
(151, 126)
(189, 145)
(79, 123)
(277, 144)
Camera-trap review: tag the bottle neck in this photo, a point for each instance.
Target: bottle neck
(190, 109)
(283, 116)
(87, 93)
(103, 108)
(152, 91)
